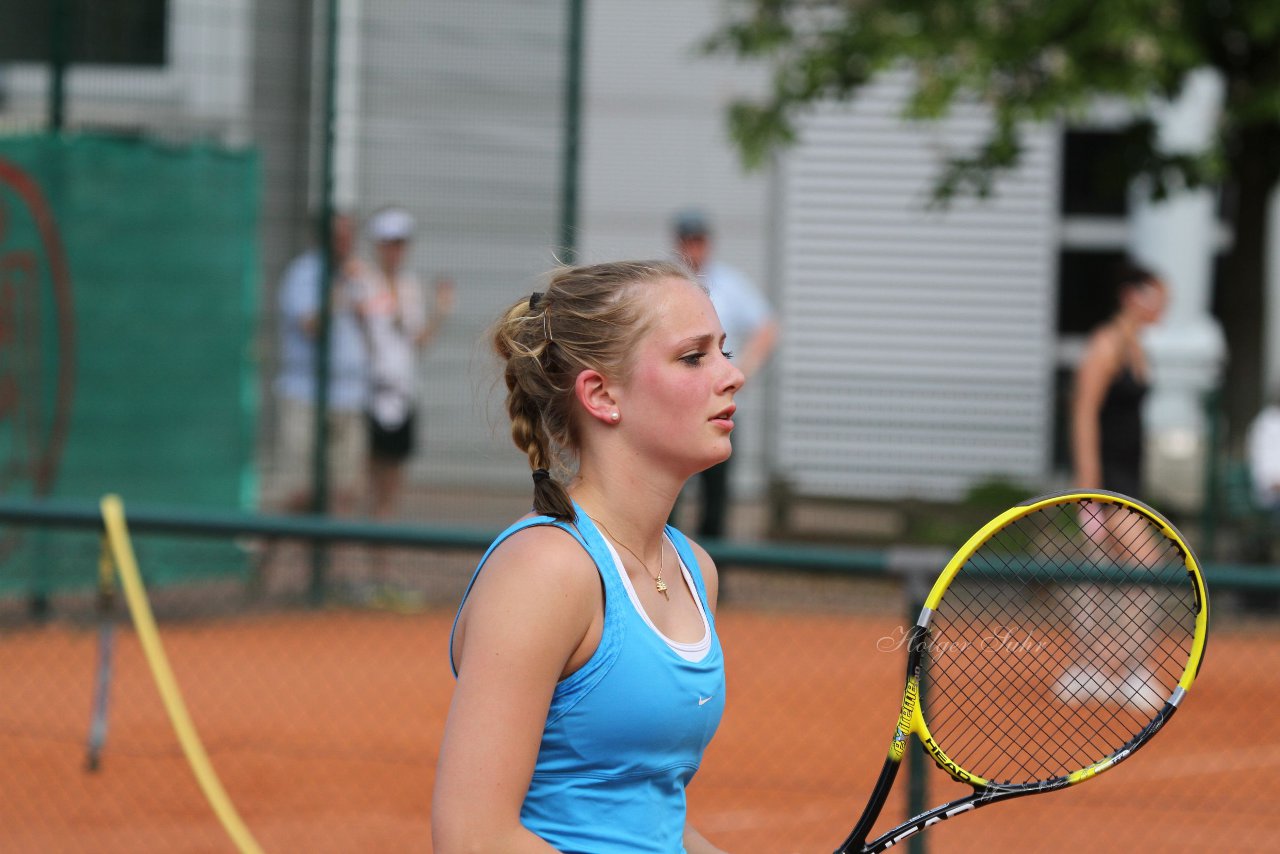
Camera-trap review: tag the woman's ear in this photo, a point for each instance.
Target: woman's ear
(592, 391)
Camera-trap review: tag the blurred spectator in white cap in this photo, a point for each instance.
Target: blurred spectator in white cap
(750, 335)
(391, 225)
(398, 325)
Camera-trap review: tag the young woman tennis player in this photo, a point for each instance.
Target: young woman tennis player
(589, 675)
(1107, 451)
(1111, 385)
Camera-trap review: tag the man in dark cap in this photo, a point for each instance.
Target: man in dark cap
(750, 335)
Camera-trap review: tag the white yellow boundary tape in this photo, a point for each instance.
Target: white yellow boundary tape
(144, 622)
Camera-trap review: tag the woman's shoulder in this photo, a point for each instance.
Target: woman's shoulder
(534, 527)
(544, 547)
(540, 568)
(1105, 345)
(536, 593)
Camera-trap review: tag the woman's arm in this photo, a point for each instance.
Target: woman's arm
(534, 612)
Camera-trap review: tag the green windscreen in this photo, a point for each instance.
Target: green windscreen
(128, 298)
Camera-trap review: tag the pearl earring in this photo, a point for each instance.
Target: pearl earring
(615, 416)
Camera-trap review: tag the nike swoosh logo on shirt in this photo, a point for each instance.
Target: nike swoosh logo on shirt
(702, 701)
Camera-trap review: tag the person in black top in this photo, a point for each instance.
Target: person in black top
(1107, 450)
(1111, 384)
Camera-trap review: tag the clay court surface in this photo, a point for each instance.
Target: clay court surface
(324, 724)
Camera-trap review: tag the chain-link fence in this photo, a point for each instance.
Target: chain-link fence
(144, 250)
(322, 718)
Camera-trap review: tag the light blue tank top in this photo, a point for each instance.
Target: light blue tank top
(626, 731)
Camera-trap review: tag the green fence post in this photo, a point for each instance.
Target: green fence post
(917, 566)
(59, 59)
(917, 587)
(319, 450)
(572, 133)
(1209, 517)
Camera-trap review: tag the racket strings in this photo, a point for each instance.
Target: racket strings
(1057, 642)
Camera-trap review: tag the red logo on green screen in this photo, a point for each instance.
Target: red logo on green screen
(36, 339)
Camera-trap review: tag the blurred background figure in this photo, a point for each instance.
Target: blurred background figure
(1110, 386)
(299, 302)
(397, 326)
(1107, 452)
(1264, 455)
(751, 334)
(1263, 449)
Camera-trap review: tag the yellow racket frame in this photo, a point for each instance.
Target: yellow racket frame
(911, 719)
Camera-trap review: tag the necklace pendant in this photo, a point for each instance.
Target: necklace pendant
(661, 585)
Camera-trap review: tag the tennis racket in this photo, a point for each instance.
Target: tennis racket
(1056, 642)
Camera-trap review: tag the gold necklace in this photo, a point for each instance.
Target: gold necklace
(658, 583)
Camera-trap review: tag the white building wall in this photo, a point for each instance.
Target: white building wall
(203, 90)
(460, 120)
(1272, 307)
(1178, 237)
(920, 343)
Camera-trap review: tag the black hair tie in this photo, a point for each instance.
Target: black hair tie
(534, 299)
(540, 475)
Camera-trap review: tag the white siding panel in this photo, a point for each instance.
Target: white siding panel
(917, 342)
(461, 122)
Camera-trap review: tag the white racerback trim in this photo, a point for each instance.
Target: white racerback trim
(695, 651)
